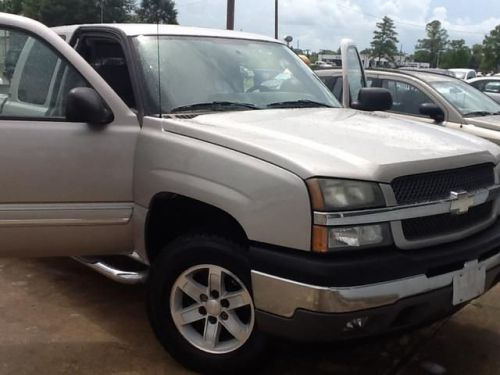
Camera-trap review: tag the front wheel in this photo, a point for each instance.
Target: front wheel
(200, 304)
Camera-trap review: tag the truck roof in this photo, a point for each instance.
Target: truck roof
(135, 29)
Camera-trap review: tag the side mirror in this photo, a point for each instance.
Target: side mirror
(373, 99)
(433, 111)
(84, 104)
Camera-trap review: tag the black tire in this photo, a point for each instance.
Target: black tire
(177, 257)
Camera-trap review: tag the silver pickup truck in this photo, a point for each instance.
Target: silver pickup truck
(216, 167)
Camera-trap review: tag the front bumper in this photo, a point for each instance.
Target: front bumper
(378, 290)
(283, 297)
(407, 313)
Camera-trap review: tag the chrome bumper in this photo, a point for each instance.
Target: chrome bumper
(282, 297)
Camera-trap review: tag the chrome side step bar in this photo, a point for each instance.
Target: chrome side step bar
(113, 273)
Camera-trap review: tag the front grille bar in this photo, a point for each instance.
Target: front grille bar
(396, 213)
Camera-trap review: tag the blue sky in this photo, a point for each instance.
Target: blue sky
(316, 24)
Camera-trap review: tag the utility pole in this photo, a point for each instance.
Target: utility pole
(276, 19)
(230, 14)
(102, 11)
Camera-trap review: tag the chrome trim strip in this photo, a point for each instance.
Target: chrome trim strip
(60, 214)
(64, 206)
(62, 222)
(282, 297)
(403, 212)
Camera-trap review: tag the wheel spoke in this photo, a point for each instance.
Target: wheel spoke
(211, 333)
(188, 315)
(235, 327)
(215, 280)
(192, 288)
(237, 299)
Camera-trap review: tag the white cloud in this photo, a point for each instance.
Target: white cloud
(440, 14)
(321, 24)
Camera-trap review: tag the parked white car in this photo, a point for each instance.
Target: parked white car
(464, 74)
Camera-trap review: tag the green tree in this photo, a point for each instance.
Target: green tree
(11, 6)
(491, 49)
(384, 43)
(422, 56)
(435, 43)
(457, 55)
(65, 12)
(153, 11)
(476, 57)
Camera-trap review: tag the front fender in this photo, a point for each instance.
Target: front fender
(271, 204)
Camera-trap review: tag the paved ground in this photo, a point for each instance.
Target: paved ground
(58, 317)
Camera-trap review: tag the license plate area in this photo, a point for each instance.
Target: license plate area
(469, 282)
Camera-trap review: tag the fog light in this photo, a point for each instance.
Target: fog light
(355, 236)
(356, 323)
(327, 239)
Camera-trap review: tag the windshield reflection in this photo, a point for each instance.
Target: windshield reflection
(209, 73)
(466, 99)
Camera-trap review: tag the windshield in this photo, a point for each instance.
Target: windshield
(198, 71)
(466, 99)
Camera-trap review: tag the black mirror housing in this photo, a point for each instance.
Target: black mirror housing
(432, 110)
(84, 104)
(373, 99)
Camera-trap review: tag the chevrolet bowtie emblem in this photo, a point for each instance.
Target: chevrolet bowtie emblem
(461, 202)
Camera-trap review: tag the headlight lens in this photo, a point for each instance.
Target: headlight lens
(331, 239)
(340, 195)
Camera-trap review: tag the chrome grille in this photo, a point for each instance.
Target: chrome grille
(438, 185)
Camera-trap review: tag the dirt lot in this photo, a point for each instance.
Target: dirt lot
(58, 317)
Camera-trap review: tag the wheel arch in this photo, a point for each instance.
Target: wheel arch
(171, 215)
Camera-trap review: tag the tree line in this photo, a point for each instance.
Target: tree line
(437, 49)
(67, 12)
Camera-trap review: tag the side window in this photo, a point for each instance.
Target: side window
(492, 87)
(337, 89)
(106, 56)
(406, 98)
(38, 70)
(478, 85)
(33, 76)
(335, 86)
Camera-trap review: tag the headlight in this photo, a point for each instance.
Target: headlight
(341, 195)
(347, 195)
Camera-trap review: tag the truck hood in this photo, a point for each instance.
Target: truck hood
(338, 142)
(488, 122)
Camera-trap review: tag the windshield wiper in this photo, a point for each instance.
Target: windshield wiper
(214, 106)
(303, 103)
(478, 114)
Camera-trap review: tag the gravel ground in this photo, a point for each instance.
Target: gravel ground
(58, 317)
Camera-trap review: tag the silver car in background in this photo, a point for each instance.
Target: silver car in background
(489, 85)
(431, 98)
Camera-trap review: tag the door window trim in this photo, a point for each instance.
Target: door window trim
(130, 57)
(61, 59)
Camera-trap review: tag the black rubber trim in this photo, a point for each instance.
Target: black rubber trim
(375, 265)
(408, 313)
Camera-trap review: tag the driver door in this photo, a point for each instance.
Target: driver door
(66, 187)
